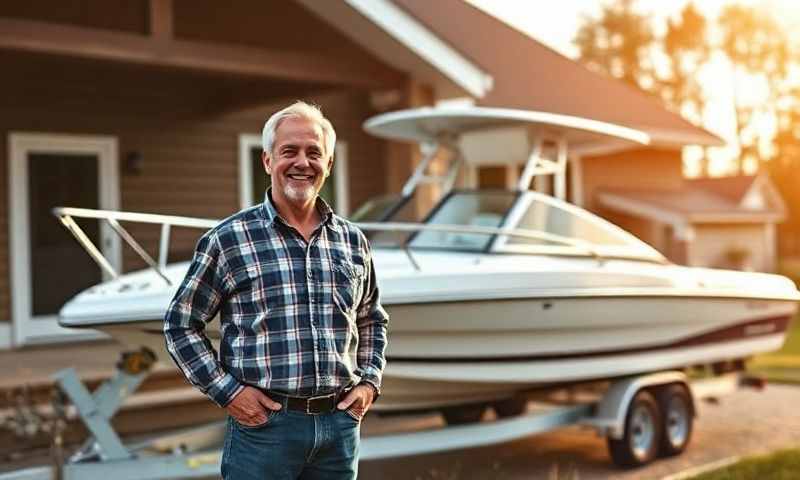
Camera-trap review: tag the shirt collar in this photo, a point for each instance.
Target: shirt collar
(271, 213)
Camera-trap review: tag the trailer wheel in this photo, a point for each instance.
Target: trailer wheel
(640, 443)
(510, 407)
(676, 406)
(463, 414)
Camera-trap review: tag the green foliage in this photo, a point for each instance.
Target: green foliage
(783, 465)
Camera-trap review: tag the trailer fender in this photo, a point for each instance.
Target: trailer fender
(612, 409)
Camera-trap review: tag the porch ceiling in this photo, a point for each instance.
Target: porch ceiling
(70, 82)
(161, 49)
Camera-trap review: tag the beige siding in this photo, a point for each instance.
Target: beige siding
(713, 246)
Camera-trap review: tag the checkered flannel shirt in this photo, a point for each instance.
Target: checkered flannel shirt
(297, 318)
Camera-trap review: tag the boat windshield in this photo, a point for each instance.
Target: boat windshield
(539, 213)
(545, 214)
(460, 208)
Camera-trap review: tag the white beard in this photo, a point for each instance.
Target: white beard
(301, 195)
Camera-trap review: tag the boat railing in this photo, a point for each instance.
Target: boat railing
(67, 215)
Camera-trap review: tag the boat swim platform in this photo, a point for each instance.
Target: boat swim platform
(159, 404)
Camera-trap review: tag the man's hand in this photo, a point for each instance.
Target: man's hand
(358, 400)
(251, 407)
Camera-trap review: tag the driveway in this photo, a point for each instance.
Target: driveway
(746, 423)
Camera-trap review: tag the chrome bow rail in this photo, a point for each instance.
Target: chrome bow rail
(67, 215)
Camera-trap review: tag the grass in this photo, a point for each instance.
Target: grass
(782, 366)
(781, 465)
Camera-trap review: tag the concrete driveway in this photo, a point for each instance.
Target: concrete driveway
(746, 423)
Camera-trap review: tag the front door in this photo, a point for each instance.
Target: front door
(48, 265)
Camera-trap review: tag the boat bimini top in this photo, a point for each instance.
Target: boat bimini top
(497, 136)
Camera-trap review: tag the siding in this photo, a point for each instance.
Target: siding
(712, 243)
(648, 169)
(186, 133)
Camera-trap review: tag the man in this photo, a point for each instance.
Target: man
(303, 332)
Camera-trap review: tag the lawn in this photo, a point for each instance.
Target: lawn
(782, 465)
(782, 366)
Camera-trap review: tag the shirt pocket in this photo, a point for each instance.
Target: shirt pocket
(347, 286)
(261, 288)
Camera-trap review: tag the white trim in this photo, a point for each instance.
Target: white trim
(5, 335)
(771, 247)
(341, 178)
(19, 146)
(246, 142)
(424, 43)
(576, 180)
(763, 184)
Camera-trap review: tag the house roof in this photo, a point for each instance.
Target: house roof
(713, 200)
(529, 75)
(734, 188)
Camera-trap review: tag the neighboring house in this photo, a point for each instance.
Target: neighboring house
(712, 222)
(157, 106)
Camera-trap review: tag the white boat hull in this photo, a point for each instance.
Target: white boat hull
(452, 353)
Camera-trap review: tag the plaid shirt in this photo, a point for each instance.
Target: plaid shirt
(296, 317)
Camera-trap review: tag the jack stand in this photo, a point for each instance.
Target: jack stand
(96, 409)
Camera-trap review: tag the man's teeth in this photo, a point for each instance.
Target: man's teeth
(300, 177)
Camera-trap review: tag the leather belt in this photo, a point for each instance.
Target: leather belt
(317, 405)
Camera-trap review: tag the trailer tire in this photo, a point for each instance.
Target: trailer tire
(640, 442)
(676, 407)
(510, 407)
(463, 414)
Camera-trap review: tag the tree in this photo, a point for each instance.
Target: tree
(757, 49)
(687, 50)
(618, 44)
(622, 43)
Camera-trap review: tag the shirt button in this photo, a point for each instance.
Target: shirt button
(309, 274)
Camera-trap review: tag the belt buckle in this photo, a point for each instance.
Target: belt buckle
(311, 399)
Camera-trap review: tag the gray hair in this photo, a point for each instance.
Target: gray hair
(303, 110)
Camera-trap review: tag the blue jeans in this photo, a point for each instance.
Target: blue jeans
(293, 445)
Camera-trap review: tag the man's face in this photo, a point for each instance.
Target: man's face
(298, 162)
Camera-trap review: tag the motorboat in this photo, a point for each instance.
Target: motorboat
(493, 292)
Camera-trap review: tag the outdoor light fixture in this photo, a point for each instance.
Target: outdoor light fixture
(133, 163)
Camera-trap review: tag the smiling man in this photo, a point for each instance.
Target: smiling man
(303, 333)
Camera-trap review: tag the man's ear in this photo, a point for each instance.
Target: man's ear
(266, 160)
(330, 167)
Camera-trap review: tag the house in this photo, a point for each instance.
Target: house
(725, 222)
(157, 106)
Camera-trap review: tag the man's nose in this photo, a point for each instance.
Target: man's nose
(302, 161)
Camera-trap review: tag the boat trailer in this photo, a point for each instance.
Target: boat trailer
(195, 452)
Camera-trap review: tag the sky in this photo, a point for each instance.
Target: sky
(556, 24)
